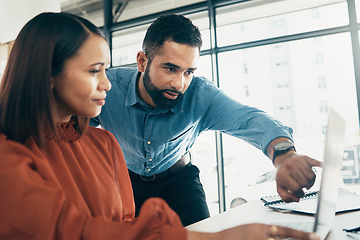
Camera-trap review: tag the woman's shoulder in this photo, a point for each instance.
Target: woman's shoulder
(12, 148)
(6, 142)
(101, 134)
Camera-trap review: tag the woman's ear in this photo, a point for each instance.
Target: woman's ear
(52, 83)
(141, 61)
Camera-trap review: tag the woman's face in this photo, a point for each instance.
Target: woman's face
(81, 87)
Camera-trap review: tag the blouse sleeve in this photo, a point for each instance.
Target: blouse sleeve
(34, 206)
(156, 221)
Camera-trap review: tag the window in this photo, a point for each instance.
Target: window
(322, 82)
(247, 91)
(315, 13)
(292, 59)
(245, 69)
(357, 5)
(324, 107)
(319, 59)
(260, 18)
(203, 153)
(295, 101)
(126, 44)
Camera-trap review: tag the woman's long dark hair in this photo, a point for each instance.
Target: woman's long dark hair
(39, 53)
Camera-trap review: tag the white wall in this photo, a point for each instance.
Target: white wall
(14, 14)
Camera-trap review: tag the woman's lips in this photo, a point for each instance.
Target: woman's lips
(100, 101)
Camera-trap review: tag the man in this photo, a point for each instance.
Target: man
(157, 110)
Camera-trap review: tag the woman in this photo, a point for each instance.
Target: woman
(60, 178)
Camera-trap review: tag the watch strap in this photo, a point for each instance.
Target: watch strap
(280, 152)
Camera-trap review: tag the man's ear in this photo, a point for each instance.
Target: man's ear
(141, 61)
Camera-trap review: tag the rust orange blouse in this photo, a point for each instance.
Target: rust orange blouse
(78, 188)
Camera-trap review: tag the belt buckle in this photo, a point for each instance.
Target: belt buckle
(148, 178)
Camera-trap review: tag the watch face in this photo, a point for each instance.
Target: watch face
(283, 145)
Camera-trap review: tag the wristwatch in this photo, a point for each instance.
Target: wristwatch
(281, 148)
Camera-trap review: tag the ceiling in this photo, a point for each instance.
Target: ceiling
(122, 9)
(87, 6)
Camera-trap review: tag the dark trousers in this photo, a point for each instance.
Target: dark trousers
(181, 190)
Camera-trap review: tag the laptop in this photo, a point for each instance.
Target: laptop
(331, 175)
(330, 180)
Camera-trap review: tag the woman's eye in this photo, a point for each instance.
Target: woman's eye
(94, 71)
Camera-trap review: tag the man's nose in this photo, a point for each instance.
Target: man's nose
(178, 82)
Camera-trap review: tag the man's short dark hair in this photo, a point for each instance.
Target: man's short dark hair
(176, 28)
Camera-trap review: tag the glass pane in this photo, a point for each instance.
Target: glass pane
(357, 6)
(126, 43)
(204, 67)
(201, 20)
(203, 153)
(246, 22)
(295, 82)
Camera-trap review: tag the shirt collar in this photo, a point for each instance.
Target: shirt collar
(132, 97)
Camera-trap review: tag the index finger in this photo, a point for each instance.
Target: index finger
(313, 162)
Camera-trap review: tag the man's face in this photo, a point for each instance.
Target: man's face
(158, 96)
(169, 74)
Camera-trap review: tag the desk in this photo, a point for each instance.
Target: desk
(255, 212)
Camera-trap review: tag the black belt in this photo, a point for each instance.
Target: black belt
(180, 164)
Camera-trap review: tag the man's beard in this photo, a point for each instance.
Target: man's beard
(157, 95)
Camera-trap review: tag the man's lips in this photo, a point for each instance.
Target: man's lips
(170, 94)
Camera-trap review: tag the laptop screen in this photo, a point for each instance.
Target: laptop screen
(331, 174)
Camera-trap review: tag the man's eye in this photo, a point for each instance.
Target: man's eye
(189, 72)
(170, 69)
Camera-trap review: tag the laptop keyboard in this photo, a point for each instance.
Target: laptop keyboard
(305, 226)
(299, 225)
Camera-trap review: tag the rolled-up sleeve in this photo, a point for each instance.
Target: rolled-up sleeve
(248, 123)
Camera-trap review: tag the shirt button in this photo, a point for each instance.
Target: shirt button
(150, 159)
(148, 142)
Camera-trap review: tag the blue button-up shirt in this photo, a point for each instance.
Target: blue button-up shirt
(153, 139)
